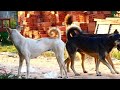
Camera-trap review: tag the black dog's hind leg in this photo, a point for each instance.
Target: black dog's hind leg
(72, 56)
(67, 61)
(72, 52)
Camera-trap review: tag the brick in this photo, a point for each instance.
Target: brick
(91, 27)
(42, 32)
(62, 28)
(44, 35)
(63, 32)
(30, 34)
(107, 12)
(84, 26)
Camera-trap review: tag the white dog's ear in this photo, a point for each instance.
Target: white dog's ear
(19, 28)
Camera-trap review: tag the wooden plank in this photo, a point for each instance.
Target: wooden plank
(109, 28)
(107, 12)
(114, 27)
(108, 22)
(110, 18)
(108, 25)
(96, 19)
(96, 29)
(103, 29)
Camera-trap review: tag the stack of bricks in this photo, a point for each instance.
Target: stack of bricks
(32, 24)
(62, 15)
(84, 27)
(37, 25)
(91, 27)
(49, 20)
(77, 16)
(45, 27)
(39, 22)
(98, 15)
(63, 32)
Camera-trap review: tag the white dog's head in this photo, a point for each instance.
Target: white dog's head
(10, 31)
(19, 28)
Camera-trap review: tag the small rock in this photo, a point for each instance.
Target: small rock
(24, 69)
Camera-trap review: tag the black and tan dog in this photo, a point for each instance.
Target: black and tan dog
(95, 46)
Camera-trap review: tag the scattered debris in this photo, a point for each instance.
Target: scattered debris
(50, 75)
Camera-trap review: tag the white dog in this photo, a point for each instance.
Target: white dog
(30, 48)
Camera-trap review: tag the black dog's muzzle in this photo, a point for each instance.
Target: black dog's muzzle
(118, 47)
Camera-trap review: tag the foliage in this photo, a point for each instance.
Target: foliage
(10, 48)
(13, 23)
(8, 76)
(116, 54)
(4, 38)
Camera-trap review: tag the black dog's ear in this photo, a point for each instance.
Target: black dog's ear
(116, 31)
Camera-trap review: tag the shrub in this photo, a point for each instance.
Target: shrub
(116, 54)
(9, 48)
(13, 23)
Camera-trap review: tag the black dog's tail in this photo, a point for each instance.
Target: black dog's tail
(73, 31)
(68, 20)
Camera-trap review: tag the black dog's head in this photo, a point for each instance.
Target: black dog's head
(117, 41)
(118, 47)
(116, 38)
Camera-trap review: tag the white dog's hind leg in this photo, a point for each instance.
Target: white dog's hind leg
(61, 69)
(61, 63)
(20, 64)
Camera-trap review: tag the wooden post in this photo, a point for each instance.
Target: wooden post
(109, 28)
(2, 23)
(9, 23)
(96, 28)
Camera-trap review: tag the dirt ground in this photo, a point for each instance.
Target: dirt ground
(47, 67)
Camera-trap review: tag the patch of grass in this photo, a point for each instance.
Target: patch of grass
(116, 54)
(48, 54)
(10, 48)
(10, 76)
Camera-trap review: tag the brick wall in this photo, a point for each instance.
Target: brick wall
(38, 23)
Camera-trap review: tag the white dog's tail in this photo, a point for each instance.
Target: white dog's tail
(59, 33)
(55, 29)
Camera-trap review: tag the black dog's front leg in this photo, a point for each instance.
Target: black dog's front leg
(102, 59)
(97, 68)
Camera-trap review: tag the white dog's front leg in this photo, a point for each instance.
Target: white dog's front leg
(20, 65)
(28, 66)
